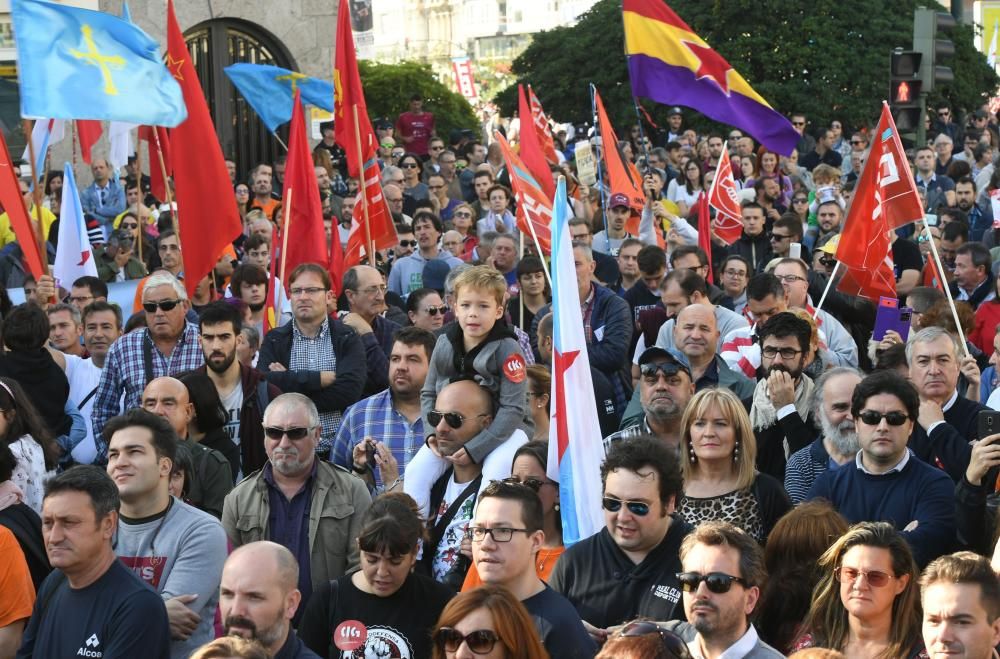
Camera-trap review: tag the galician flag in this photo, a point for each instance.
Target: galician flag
(576, 449)
(73, 256)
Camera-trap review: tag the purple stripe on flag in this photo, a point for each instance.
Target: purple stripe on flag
(677, 85)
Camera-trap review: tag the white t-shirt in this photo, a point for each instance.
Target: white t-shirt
(448, 549)
(83, 376)
(232, 402)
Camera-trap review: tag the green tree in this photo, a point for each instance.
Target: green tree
(388, 88)
(827, 58)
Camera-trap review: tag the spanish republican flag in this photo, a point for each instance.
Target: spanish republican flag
(672, 65)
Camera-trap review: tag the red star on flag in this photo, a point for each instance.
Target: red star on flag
(710, 65)
(562, 362)
(175, 67)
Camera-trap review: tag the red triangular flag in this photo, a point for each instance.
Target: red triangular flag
(531, 148)
(532, 205)
(705, 232)
(207, 215)
(623, 176)
(13, 205)
(337, 262)
(88, 131)
(724, 198)
(306, 236)
(542, 128)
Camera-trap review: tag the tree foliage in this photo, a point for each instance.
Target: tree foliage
(827, 58)
(388, 88)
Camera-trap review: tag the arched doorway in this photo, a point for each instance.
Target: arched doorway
(216, 44)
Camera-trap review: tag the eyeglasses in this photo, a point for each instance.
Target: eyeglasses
(499, 533)
(798, 123)
(734, 273)
(857, 141)
(875, 578)
(166, 305)
(453, 419)
(129, 225)
(800, 200)
(789, 279)
(613, 505)
(944, 114)
(480, 641)
(650, 371)
(717, 582)
(674, 644)
(81, 299)
(433, 311)
(872, 418)
(463, 214)
(437, 148)
(922, 238)
(306, 290)
(372, 290)
(827, 262)
(294, 434)
(409, 165)
(531, 483)
(777, 237)
(786, 353)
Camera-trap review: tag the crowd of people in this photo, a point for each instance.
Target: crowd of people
(364, 472)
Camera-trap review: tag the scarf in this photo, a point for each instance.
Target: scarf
(762, 412)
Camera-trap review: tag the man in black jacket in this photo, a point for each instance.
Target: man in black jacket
(315, 355)
(754, 244)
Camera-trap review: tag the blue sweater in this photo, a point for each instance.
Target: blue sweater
(918, 493)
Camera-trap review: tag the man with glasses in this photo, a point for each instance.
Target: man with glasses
(431, 165)
(944, 146)
(85, 290)
(735, 274)
(452, 240)
(117, 261)
(786, 230)
(806, 141)
(365, 290)
(311, 507)
(665, 388)
(393, 193)
(440, 196)
(407, 242)
(168, 345)
(314, 354)
(629, 568)
(887, 481)
(506, 535)
(945, 123)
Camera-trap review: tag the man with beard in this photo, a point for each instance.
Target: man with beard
(665, 388)
(780, 413)
(965, 199)
(311, 507)
(244, 391)
(838, 444)
(258, 598)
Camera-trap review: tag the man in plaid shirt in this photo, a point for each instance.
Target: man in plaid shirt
(167, 346)
(391, 417)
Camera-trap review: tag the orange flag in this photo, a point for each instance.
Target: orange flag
(206, 212)
(623, 176)
(532, 153)
(534, 209)
(542, 128)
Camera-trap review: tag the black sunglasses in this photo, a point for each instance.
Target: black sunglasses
(294, 434)
(532, 483)
(433, 311)
(673, 643)
(453, 419)
(871, 418)
(407, 243)
(613, 505)
(480, 641)
(717, 582)
(166, 305)
(669, 369)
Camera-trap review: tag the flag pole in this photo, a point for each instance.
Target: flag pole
(36, 198)
(600, 179)
(829, 284)
(947, 289)
(520, 293)
(364, 192)
(284, 238)
(138, 182)
(174, 212)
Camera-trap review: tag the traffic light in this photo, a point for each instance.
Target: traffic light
(905, 87)
(927, 40)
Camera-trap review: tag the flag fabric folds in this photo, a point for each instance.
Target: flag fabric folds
(44, 134)
(705, 232)
(83, 64)
(534, 210)
(884, 200)
(269, 91)
(158, 144)
(623, 175)
(542, 128)
(306, 236)
(74, 258)
(120, 137)
(13, 205)
(88, 132)
(532, 152)
(724, 198)
(670, 64)
(576, 449)
(207, 218)
(351, 123)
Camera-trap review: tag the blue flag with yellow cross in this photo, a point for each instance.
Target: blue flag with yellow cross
(270, 89)
(82, 64)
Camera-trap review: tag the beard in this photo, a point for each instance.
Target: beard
(257, 307)
(221, 367)
(843, 436)
(663, 408)
(265, 637)
(796, 372)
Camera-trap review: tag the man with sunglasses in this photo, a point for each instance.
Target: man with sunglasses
(166, 346)
(506, 535)
(887, 482)
(312, 507)
(665, 388)
(117, 261)
(629, 568)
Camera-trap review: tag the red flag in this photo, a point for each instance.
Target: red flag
(623, 176)
(724, 198)
(705, 232)
(157, 184)
(13, 204)
(88, 131)
(306, 235)
(884, 199)
(207, 215)
(350, 122)
(271, 312)
(534, 208)
(531, 148)
(337, 262)
(542, 128)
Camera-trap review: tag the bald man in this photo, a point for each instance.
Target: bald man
(258, 598)
(211, 479)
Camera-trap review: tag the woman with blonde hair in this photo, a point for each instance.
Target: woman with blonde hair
(867, 604)
(487, 622)
(718, 461)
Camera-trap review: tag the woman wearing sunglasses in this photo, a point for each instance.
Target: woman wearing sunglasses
(867, 604)
(718, 461)
(486, 623)
(414, 189)
(397, 606)
(463, 220)
(426, 309)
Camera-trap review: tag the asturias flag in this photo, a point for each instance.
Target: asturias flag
(670, 64)
(269, 90)
(74, 258)
(83, 64)
(576, 449)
